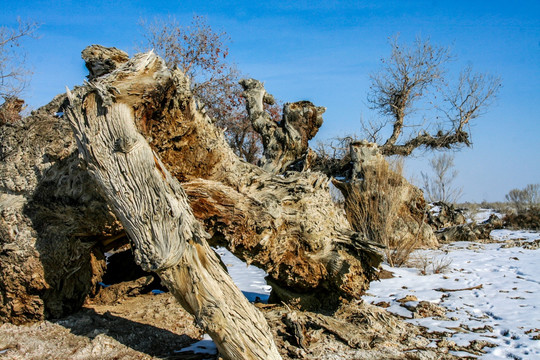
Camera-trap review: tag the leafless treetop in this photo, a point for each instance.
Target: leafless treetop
(13, 73)
(416, 76)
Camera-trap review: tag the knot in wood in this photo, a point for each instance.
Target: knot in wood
(125, 144)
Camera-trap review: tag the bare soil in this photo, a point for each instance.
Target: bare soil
(142, 327)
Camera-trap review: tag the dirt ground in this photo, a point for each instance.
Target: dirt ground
(155, 327)
(141, 327)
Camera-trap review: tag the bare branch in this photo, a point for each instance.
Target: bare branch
(414, 75)
(13, 73)
(405, 76)
(371, 129)
(472, 95)
(447, 140)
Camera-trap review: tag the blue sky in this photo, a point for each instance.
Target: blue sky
(324, 51)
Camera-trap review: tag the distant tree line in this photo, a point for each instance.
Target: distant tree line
(525, 199)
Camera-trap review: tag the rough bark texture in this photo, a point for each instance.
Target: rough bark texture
(10, 110)
(286, 224)
(55, 219)
(51, 220)
(156, 215)
(285, 143)
(102, 60)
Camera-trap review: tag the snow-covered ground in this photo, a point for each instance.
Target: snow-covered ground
(502, 308)
(249, 279)
(204, 346)
(483, 214)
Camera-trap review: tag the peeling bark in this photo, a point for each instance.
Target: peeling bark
(156, 215)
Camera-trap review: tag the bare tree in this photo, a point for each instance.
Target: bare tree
(526, 198)
(439, 187)
(13, 72)
(416, 76)
(202, 54)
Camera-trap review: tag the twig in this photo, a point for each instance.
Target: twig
(469, 288)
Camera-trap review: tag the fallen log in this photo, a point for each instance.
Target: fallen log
(55, 226)
(155, 213)
(286, 223)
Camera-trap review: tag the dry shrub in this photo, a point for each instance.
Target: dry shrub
(526, 208)
(429, 263)
(374, 206)
(526, 219)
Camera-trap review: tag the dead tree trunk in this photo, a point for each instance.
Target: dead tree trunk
(285, 143)
(286, 224)
(52, 219)
(382, 204)
(156, 215)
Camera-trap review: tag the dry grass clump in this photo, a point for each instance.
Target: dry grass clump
(525, 212)
(375, 208)
(429, 263)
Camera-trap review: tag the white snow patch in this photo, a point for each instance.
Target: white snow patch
(204, 346)
(434, 209)
(483, 214)
(504, 234)
(248, 278)
(508, 300)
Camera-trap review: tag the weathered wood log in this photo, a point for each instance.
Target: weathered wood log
(472, 231)
(156, 215)
(51, 219)
(285, 142)
(286, 224)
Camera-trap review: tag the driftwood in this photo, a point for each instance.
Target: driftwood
(156, 215)
(472, 231)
